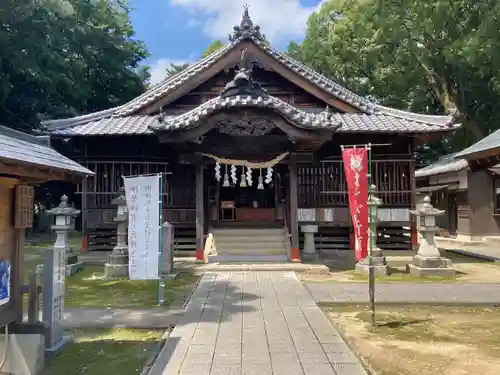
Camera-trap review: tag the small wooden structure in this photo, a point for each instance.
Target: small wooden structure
(25, 161)
(470, 197)
(248, 101)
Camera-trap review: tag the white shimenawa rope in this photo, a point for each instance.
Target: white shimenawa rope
(265, 164)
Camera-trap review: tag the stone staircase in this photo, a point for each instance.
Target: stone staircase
(250, 245)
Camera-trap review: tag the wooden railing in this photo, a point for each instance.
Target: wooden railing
(324, 185)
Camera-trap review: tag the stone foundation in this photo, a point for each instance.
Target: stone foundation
(430, 266)
(379, 264)
(117, 268)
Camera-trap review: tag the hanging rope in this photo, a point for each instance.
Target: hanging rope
(265, 164)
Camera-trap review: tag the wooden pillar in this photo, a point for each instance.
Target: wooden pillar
(294, 224)
(413, 222)
(200, 213)
(84, 204)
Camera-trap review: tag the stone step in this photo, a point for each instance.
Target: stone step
(248, 232)
(248, 239)
(278, 243)
(250, 251)
(247, 258)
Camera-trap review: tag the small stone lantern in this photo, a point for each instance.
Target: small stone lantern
(117, 267)
(54, 275)
(428, 261)
(379, 262)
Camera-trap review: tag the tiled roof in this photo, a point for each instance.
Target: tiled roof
(300, 118)
(349, 123)
(446, 164)
(25, 148)
(386, 117)
(487, 143)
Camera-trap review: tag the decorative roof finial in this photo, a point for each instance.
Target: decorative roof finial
(246, 29)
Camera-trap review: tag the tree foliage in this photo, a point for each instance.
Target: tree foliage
(432, 56)
(214, 46)
(174, 69)
(66, 57)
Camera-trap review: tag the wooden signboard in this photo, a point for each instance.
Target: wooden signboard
(24, 206)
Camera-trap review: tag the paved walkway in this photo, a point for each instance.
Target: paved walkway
(406, 292)
(119, 318)
(262, 323)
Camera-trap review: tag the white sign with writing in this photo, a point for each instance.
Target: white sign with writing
(143, 194)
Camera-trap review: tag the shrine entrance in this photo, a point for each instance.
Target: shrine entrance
(249, 199)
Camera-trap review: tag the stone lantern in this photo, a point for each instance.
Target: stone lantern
(117, 267)
(428, 260)
(379, 262)
(55, 275)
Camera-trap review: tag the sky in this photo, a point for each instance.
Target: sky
(178, 31)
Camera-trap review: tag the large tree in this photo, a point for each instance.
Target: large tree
(435, 56)
(66, 57)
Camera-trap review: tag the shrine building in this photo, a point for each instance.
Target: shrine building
(249, 141)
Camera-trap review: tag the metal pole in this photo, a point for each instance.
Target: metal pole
(161, 281)
(371, 273)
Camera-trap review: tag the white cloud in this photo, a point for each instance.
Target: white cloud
(279, 20)
(158, 68)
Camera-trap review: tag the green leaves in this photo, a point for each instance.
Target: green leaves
(65, 57)
(432, 56)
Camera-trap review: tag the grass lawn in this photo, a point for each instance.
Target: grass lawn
(468, 270)
(424, 340)
(88, 288)
(104, 351)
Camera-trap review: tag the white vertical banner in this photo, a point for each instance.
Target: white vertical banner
(142, 194)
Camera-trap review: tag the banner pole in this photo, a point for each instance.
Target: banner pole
(161, 280)
(371, 270)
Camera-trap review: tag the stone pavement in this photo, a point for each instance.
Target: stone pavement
(119, 318)
(247, 323)
(406, 292)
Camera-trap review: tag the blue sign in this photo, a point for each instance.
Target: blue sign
(4, 282)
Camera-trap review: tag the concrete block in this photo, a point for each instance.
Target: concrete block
(25, 355)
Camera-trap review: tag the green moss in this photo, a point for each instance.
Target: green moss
(88, 288)
(104, 351)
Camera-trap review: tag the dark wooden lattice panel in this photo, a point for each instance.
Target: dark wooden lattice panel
(24, 206)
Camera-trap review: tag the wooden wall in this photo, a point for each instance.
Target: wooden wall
(482, 220)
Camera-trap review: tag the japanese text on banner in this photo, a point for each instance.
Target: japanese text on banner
(356, 173)
(142, 194)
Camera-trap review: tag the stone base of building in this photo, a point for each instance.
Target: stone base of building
(430, 266)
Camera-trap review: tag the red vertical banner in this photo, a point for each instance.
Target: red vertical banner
(356, 174)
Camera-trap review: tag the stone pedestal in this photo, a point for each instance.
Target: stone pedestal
(117, 266)
(428, 261)
(378, 261)
(309, 251)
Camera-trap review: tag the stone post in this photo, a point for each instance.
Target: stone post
(167, 267)
(54, 273)
(309, 251)
(379, 262)
(428, 261)
(117, 267)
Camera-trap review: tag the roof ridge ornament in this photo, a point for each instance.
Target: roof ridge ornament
(246, 29)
